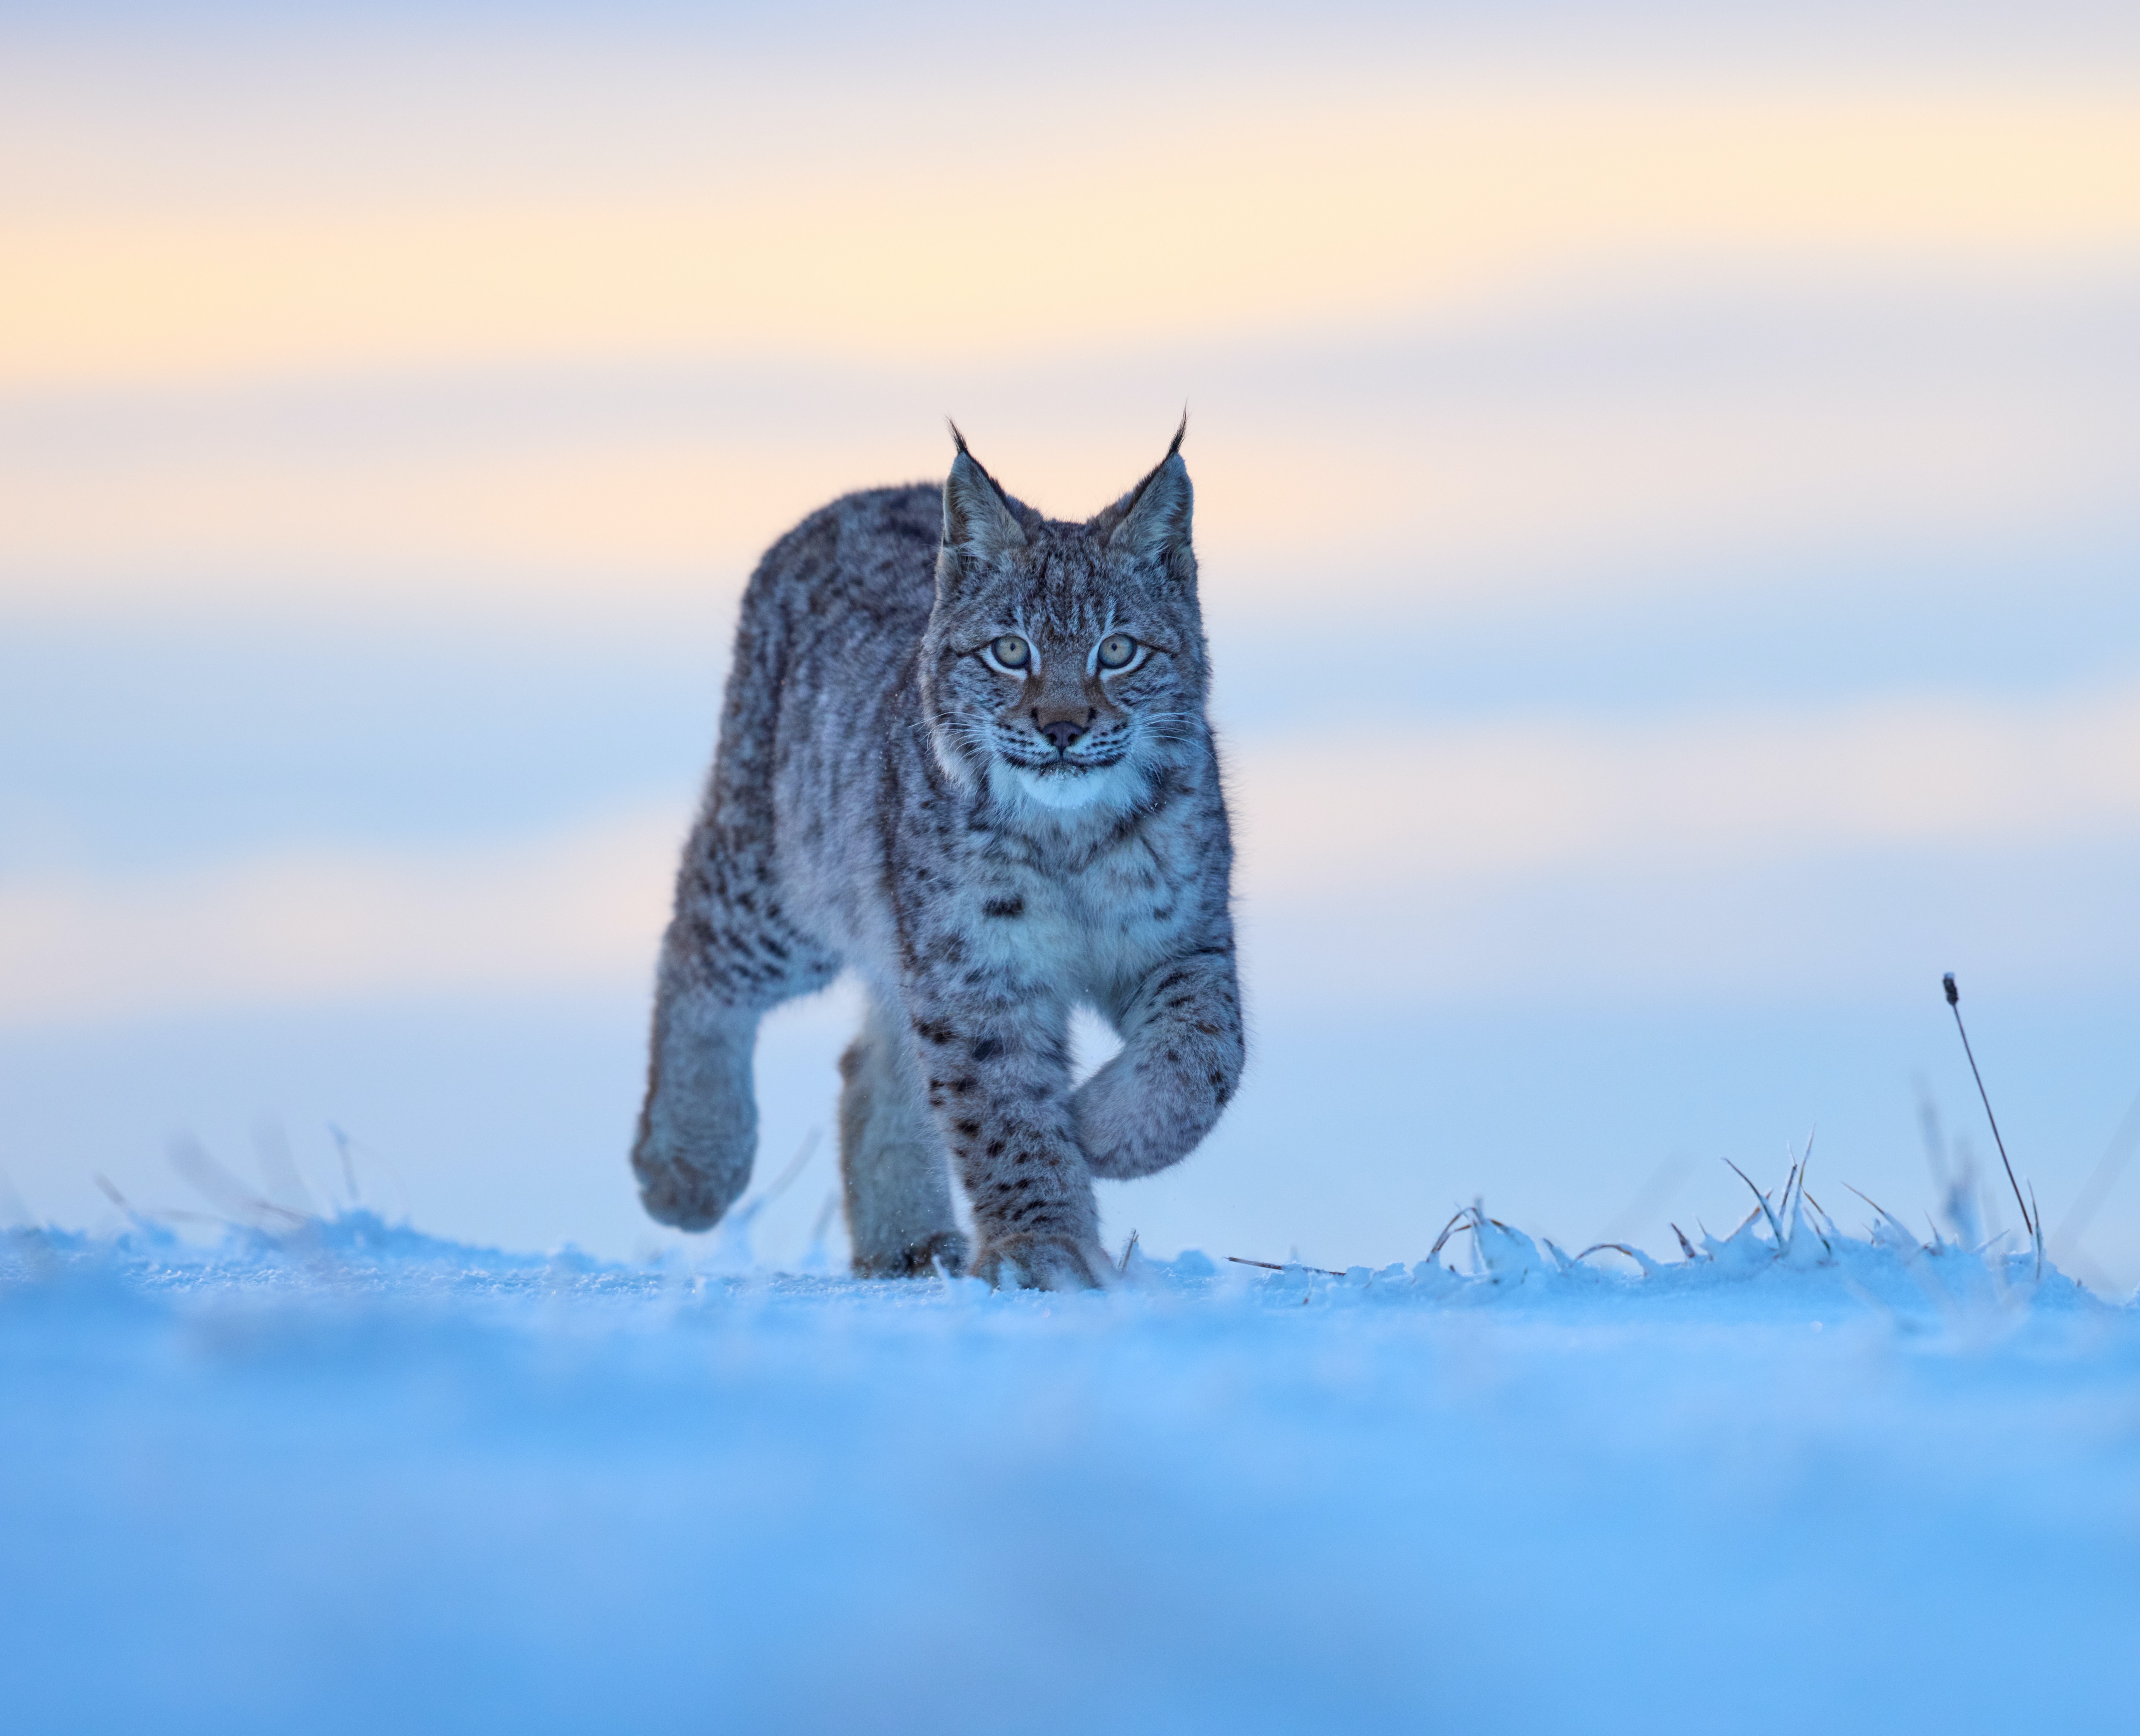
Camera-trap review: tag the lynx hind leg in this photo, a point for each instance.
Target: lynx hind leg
(898, 1188)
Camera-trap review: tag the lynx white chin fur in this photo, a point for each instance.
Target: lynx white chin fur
(963, 754)
(1111, 787)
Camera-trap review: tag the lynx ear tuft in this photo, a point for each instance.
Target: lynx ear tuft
(1151, 521)
(978, 525)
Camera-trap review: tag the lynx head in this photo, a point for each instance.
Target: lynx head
(1064, 664)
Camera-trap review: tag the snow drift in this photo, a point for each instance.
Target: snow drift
(337, 1475)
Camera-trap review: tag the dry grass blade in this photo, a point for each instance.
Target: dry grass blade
(1954, 1004)
(1764, 1198)
(1900, 1229)
(150, 1220)
(1637, 1255)
(1268, 1266)
(224, 1191)
(1461, 1221)
(1656, 1192)
(786, 1179)
(281, 1183)
(348, 1165)
(1804, 1162)
(2036, 1230)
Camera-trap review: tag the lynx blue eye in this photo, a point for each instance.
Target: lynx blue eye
(1116, 650)
(1011, 651)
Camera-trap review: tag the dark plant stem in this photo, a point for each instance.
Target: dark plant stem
(1954, 1000)
(1271, 1266)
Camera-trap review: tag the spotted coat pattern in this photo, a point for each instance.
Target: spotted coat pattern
(987, 843)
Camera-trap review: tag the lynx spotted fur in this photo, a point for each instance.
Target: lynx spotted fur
(963, 753)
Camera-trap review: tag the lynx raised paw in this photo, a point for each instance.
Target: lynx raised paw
(947, 1249)
(1041, 1262)
(677, 1191)
(1145, 1110)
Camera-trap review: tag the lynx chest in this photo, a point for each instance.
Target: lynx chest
(1087, 924)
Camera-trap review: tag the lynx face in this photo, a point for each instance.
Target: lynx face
(1064, 663)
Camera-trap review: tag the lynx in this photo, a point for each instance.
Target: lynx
(963, 753)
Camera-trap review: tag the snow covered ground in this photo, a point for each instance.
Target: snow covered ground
(346, 1477)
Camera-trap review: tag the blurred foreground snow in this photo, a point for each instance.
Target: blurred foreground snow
(350, 1477)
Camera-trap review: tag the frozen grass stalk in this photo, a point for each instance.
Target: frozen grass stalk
(1954, 1000)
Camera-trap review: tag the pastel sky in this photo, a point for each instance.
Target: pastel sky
(1666, 488)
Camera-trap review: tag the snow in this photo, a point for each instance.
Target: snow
(338, 1475)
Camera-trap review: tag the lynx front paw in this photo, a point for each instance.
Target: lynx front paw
(946, 1249)
(1137, 1115)
(1132, 1126)
(1041, 1262)
(677, 1190)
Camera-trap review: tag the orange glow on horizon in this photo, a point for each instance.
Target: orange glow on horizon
(1305, 218)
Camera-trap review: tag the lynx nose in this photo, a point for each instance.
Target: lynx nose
(1061, 731)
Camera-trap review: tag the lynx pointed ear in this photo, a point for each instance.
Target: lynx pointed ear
(1151, 521)
(978, 525)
